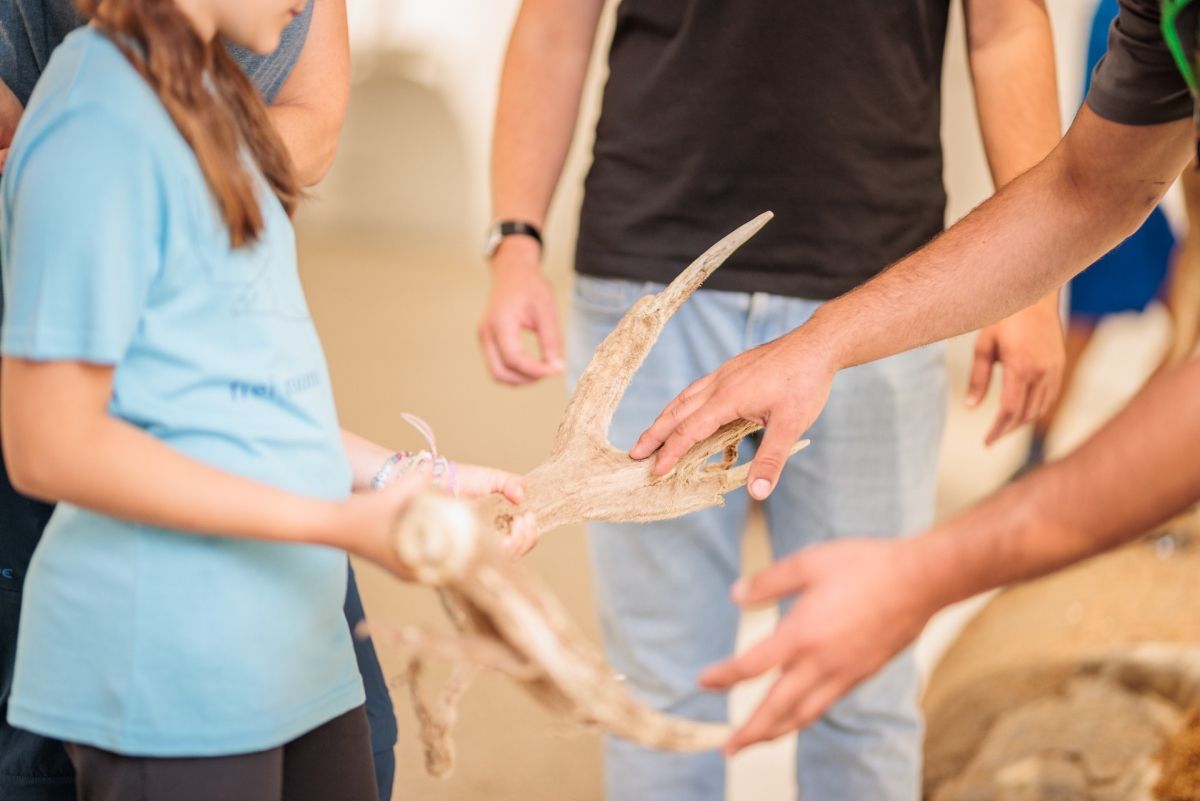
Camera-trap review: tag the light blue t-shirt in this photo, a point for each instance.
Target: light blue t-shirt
(134, 639)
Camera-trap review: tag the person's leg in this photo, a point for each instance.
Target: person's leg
(32, 768)
(663, 588)
(871, 471)
(380, 714)
(105, 776)
(331, 762)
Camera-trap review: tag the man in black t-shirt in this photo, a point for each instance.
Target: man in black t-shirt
(862, 601)
(827, 114)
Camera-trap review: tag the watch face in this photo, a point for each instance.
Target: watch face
(492, 242)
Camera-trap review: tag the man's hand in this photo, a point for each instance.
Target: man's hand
(782, 385)
(1029, 345)
(861, 603)
(520, 299)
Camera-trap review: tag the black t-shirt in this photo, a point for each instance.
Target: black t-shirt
(1137, 82)
(827, 113)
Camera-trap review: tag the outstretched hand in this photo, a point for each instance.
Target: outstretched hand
(861, 602)
(782, 386)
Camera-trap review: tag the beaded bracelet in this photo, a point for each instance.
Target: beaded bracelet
(384, 476)
(443, 471)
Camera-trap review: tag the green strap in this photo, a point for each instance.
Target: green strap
(1171, 10)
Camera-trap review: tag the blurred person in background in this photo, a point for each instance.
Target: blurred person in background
(829, 115)
(306, 81)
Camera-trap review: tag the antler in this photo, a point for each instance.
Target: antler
(586, 478)
(507, 619)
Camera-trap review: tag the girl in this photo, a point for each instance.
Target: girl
(163, 380)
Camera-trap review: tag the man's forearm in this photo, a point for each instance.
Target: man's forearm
(311, 138)
(311, 105)
(1091, 192)
(10, 114)
(540, 91)
(1138, 470)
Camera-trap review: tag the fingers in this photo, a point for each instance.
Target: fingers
(522, 537)
(513, 354)
(495, 364)
(475, 481)
(505, 354)
(797, 710)
(773, 716)
(1014, 393)
(549, 338)
(758, 659)
(709, 415)
(512, 487)
(780, 435)
(981, 370)
(672, 415)
(1036, 405)
(785, 577)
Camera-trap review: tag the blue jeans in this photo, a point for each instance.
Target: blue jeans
(662, 588)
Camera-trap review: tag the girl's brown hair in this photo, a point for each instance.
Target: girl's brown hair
(212, 102)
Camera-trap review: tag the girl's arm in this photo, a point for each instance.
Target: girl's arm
(62, 444)
(365, 457)
(470, 481)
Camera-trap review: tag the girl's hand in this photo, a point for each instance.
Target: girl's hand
(522, 536)
(475, 481)
(365, 523)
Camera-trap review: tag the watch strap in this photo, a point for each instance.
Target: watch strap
(511, 227)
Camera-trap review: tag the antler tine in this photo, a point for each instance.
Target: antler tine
(736, 476)
(619, 356)
(687, 282)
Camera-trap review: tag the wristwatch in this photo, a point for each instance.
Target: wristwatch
(503, 228)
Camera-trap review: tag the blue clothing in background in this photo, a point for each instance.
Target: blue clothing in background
(134, 639)
(1131, 275)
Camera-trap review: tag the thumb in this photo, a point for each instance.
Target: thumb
(772, 454)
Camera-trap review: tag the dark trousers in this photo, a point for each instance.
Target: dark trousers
(331, 762)
(33, 768)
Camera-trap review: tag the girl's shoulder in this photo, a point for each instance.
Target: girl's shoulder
(89, 82)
